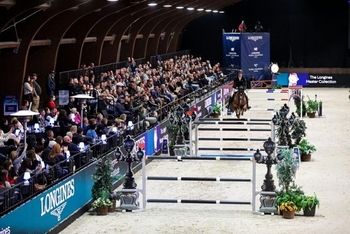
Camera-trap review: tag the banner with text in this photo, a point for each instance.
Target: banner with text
(255, 55)
(232, 50)
(314, 80)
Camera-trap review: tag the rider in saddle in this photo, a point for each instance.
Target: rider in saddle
(241, 81)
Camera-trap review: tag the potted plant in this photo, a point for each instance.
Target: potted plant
(288, 208)
(312, 108)
(294, 194)
(102, 203)
(216, 110)
(172, 131)
(299, 106)
(102, 186)
(306, 149)
(298, 131)
(290, 196)
(114, 197)
(309, 204)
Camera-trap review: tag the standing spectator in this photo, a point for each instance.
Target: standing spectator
(258, 27)
(242, 27)
(28, 90)
(52, 103)
(36, 91)
(51, 84)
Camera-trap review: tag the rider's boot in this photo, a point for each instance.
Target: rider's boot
(248, 102)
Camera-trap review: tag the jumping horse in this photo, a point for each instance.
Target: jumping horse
(238, 102)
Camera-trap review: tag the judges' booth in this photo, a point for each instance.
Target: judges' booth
(249, 52)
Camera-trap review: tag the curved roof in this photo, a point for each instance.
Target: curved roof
(41, 35)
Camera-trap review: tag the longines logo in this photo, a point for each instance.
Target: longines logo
(255, 65)
(58, 211)
(5, 231)
(232, 38)
(255, 48)
(55, 201)
(233, 49)
(255, 38)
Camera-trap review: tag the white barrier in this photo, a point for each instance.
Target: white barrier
(225, 121)
(212, 179)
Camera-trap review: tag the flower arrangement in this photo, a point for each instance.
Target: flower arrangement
(306, 147)
(115, 196)
(294, 194)
(102, 200)
(288, 206)
(310, 202)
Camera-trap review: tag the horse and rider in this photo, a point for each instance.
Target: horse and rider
(239, 102)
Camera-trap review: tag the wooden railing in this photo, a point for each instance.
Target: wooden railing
(260, 84)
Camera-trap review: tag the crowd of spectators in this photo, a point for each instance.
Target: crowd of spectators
(133, 94)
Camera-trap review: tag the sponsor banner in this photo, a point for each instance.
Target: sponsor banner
(255, 55)
(207, 105)
(232, 50)
(10, 104)
(325, 80)
(63, 97)
(313, 80)
(52, 206)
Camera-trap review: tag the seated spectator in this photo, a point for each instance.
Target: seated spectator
(4, 137)
(56, 157)
(63, 118)
(92, 132)
(3, 182)
(50, 136)
(11, 175)
(74, 116)
(16, 161)
(5, 126)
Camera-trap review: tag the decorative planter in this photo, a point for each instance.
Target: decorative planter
(216, 115)
(288, 214)
(310, 212)
(305, 157)
(311, 115)
(102, 210)
(113, 207)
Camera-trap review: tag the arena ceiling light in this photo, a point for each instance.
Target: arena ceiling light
(215, 11)
(190, 8)
(179, 7)
(207, 10)
(221, 12)
(152, 3)
(200, 9)
(112, 0)
(167, 5)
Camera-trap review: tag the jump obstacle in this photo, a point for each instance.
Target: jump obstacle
(226, 121)
(251, 180)
(291, 91)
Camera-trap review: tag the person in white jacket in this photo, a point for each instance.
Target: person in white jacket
(4, 137)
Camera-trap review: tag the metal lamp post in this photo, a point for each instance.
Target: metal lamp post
(280, 119)
(82, 99)
(267, 200)
(25, 116)
(129, 200)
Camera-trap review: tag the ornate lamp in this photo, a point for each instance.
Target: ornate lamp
(267, 202)
(280, 119)
(129, 201)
